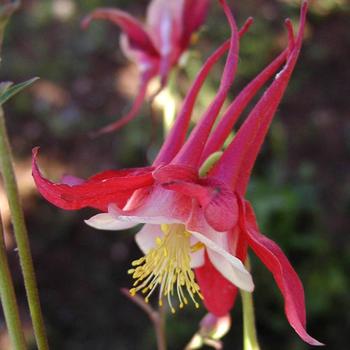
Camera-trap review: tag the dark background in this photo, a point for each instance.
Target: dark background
(300, 188)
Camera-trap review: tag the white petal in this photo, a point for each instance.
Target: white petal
(146, 237)
(142, 217)
(159, 207)
(228, 265)
(197, 258)
(106, 221)
(228, 268)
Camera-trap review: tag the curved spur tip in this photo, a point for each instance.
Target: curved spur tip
(247, 24)
(35, 151)
(249, 21)
(304, 5)
(290, 30)
(288, 23)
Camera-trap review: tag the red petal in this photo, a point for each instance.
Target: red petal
(218, 202)
(191, 152)
(233, 112)
(219, 294)
(177, 135)
(284, 274)
(138, 37)
(222, 210)
(235, 165)
(97, 192)
(172, 172)
(194, 14)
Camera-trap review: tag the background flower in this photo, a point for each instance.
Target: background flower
(157, 46)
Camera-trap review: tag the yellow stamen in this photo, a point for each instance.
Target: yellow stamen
(196, 247)
(167, 266)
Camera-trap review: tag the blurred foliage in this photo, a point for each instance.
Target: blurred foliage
(300, 189)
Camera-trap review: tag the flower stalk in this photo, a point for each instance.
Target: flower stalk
(156, 317)
(250, 339)
(21, 236)
(8, 299)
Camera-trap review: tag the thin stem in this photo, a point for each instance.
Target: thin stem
(157, 317)
(250, 340)
(159, 326)
(8, 299)
(21, 235)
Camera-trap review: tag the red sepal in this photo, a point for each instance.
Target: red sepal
(219, 294)
(112, 186)
(285, 276)
(173, 172)
(194, 14)
(138, 38)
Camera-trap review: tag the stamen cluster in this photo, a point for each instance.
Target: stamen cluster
(167, 265)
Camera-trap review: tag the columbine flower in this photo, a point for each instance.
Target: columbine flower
(195, 220)
(156, 46)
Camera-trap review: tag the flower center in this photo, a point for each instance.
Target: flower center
(168, 265)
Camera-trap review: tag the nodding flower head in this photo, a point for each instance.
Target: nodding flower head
(155, 46)
(197, 224)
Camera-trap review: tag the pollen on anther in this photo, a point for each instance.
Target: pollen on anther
(167, 266)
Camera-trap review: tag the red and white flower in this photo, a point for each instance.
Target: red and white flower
(155, 46)
(196, 221)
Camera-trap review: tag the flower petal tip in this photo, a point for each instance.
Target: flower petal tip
(308, 339)
(249, 286)
(245, 281)
(317, 343)
(107, 222)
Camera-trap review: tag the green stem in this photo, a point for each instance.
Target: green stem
(250, 340)
(21, 235)
(8, 299)
(158, 318)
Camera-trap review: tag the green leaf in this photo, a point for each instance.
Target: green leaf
(7, 90)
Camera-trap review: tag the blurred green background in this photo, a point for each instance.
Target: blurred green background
(300, 188)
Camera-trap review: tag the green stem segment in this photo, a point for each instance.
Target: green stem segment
(250, 340)
(21, 235)
(8, 299)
